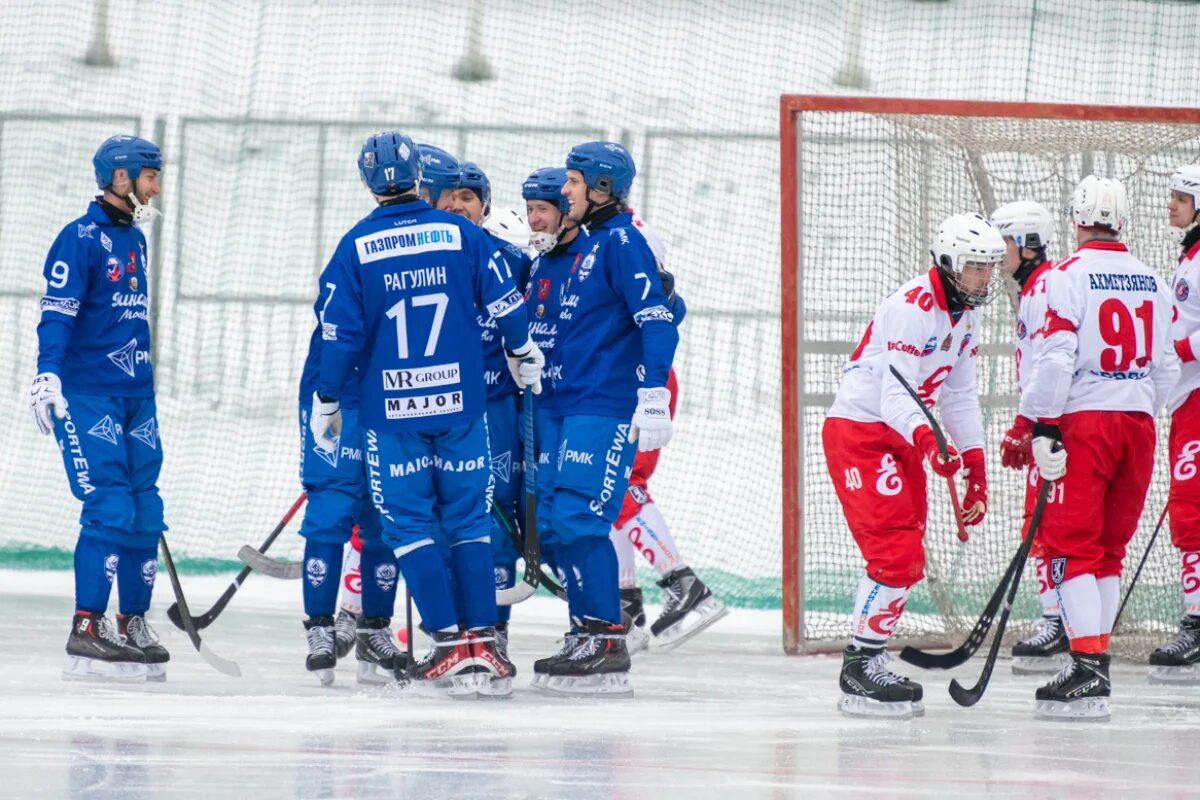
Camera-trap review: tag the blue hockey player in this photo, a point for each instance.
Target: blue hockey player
(616, 341)
(95, 391)
(405, 284)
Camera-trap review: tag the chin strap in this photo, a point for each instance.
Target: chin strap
(142, 214)
(1028, 265)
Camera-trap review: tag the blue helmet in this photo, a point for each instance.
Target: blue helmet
(439, 171)
(129, 152)
(389, 163)
(470, 176)
(606, 166)
(546, 184)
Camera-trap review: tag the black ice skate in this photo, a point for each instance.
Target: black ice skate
(688, 608)
(571, 640)
(633, 617)
(321, 656)
(870, 689)
(1079, 691)
(376, 651)
(449, 666)
(138, 633)
(496, 678)
(598, 666)
(1045, 650)
(345, 632)
(1178, 661)
(96, 652)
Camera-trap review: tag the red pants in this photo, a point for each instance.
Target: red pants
(644, 464)
(1183, 503)
(1094, 509)
(880, 481)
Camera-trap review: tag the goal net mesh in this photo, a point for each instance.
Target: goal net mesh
(873, 187)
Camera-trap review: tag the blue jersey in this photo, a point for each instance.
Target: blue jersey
(616, 333)
(93, 331)
(405, 287)
(499, 380)
(548, 275)
(309, 377)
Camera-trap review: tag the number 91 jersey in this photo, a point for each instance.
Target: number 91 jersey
(914, 331)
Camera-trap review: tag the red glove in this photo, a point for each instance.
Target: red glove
(923, 438)
(1183, 348)
(1014, 447)
(975, 472)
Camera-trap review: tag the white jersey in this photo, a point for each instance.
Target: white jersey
(1186, 324)
(913, 331)
(1105, 342)
(657, 245)
(1031, 312)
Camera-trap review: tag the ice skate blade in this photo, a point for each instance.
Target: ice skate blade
(607, 685)
(637, 640)
(1038, 665)
(156, 673)
(853, 705)
(1174, 676)
(80, 668)
(539, 680)
(372, 674)
(1086, 709)
(695, 621)
(325, 676)
(493, 688)
(918, 708)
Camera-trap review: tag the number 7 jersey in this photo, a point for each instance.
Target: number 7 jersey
(914, 331)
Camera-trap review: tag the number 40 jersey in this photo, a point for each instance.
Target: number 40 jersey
(914, 331)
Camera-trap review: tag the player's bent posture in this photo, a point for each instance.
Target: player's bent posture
(1028, 228)
(1177, 659)
(404, 286)
(876, 439)
(1101, 368)
(616, 341)
(95, 391)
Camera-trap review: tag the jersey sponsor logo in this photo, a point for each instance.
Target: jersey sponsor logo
(411, 241)
(105, 429)
(128, 357)
(426, 405)
(638, 494)
(147, 433)
(502, 465)
(540, 310)
(68, 306)
(885, 621)
(112, 268)
(315, 569)
(1120, 282)
(491, 377)
(1058, 570)
(888, 483)
(414, 279)
(133, 282)
(78, 462)
(910, 349)
(945, 348)
(589, 261)
(653, 314)
(498, 308)
(544, 285)
(1185, 463)
(930, 346)
(131, 262)
(105, 242)
(1181, 290)
(330, 457)
(415, 465)
(612, 460)
(578, 457)
(86, 231)
(1022, 331)
(420, 377)
(966, 341)
(125, 299)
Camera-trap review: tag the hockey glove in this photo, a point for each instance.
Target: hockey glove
(924, 439)
(975, 472)
(651, 427)
(1048, 451)
(525, 363)
(1014, 447)
(44, 395)
(325, 422)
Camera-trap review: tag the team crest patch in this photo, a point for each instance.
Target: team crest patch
(544, 288)
(930, 346)
(501, 575)
(1181, 290)
(541, 310)
(638, 494)
(385, 577)
(966, 341)
(589, 261)
(110, 566)
(149, 571)
(1022, 332)
(133, 283)
(1058, 570)
(316, 569)
(947, 342)
(112, 268)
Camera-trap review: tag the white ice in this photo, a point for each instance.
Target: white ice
(725, 715)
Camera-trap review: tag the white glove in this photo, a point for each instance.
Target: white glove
(651, 427)
(525, 364)
(325, 422)
(46, 394)
(1050, 457)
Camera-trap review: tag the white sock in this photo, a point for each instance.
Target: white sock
(877, 609)
(626, 569)
(650, 535)
(1110, 601)
(1191, 582)
(1079, 599)
(352, 581)
(1046, 594)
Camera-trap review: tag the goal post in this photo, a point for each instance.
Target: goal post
(865, 182)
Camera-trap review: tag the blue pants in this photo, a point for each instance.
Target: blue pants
(504, 442)
(113, 456)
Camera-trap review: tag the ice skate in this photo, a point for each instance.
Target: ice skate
(376, 652)
(96, 652)
(599, 665)
(495, 680)
(1178, 661)
(633, 616)
(345, 632)
(570, 640)
(870, 689)
(449, 666)
(1045, 650)
(688, 609)
(1079, 691)
(138, 633)
(321, 656)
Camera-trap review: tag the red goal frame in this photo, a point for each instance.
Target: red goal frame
(791, 370)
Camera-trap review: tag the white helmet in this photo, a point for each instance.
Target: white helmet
(1187, 180)
(1027, 223)
(969, 240)
(1100, 203)
(510, 226)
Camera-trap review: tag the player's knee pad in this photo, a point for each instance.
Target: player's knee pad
(109, 512)
(898, 568)
(330, 514)
(573, 518)
(148, 520)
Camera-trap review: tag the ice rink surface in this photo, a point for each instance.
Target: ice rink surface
(727, 715)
